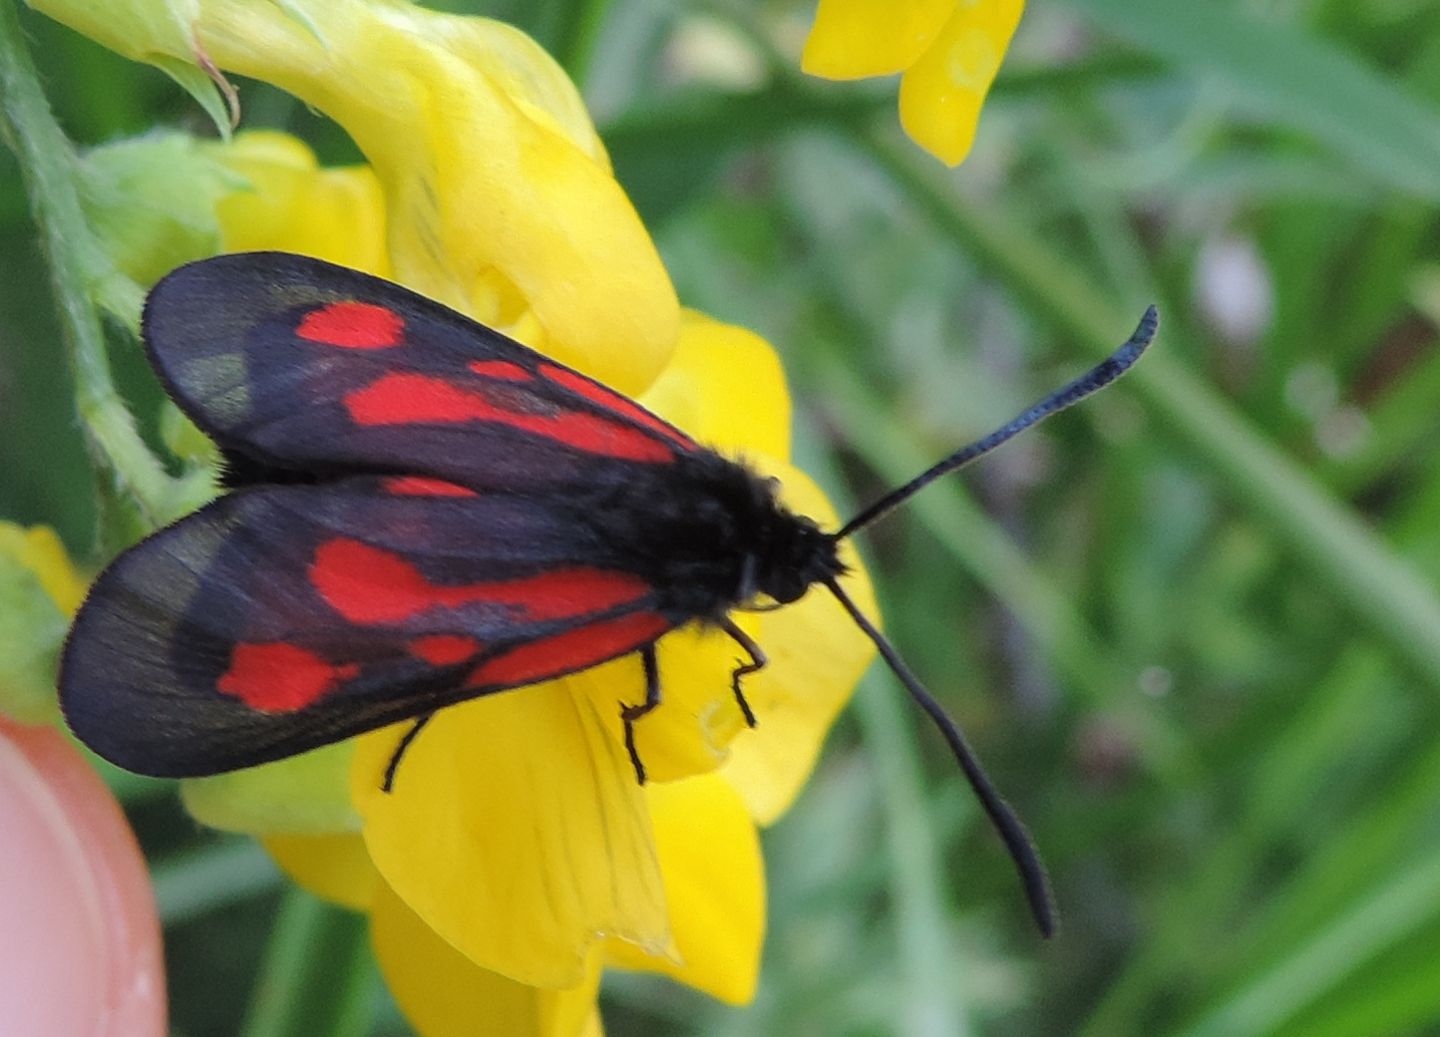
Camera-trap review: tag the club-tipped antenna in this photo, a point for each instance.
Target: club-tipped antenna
(1096, 378)
(1017, 840)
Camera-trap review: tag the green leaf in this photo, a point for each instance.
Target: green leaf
(1280, 72)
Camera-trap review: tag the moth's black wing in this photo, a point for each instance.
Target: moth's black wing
(281, 618)
(295, 363)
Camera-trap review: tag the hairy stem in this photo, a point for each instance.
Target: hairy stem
(77, 268)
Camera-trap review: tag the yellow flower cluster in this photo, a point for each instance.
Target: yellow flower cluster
(947, 52)
(517, 856)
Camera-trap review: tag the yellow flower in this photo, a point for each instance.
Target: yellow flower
(517, 855)
(498, 193)
(948, 52)
(39, 592)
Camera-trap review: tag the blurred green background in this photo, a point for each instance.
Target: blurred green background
(1193, 627)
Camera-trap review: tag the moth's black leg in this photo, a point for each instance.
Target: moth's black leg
(394, 764)
(757, 662)
(630, 714)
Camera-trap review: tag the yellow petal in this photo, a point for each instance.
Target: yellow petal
(714, 886)
(294, 205)
(305, 794)
(816, 657)
(335, 867)
(725, 387)
(444, 994)
(523, 72)
(852, 39)
(698, 715)
(941, 94)
(516, 830)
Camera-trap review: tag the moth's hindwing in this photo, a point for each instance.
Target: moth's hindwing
(281, 618)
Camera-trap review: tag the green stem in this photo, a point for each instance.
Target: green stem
(280, 983)
(317, 978)
(77, 267)
(1359, 569)
(932, 1005)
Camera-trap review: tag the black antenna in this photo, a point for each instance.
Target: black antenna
(1097, 378)
(1017, 840)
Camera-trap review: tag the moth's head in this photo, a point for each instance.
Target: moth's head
(795, 555)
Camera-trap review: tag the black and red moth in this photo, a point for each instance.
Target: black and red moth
(423, 511)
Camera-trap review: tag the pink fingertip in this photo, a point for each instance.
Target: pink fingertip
(80, 952)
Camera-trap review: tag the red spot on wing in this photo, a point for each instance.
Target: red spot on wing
(275, 677)
(444, 649)
(503, 369)
(423, 486)
(404, 399)
(570, 651)
(613, 401)
(368, 585)
(353, 325)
